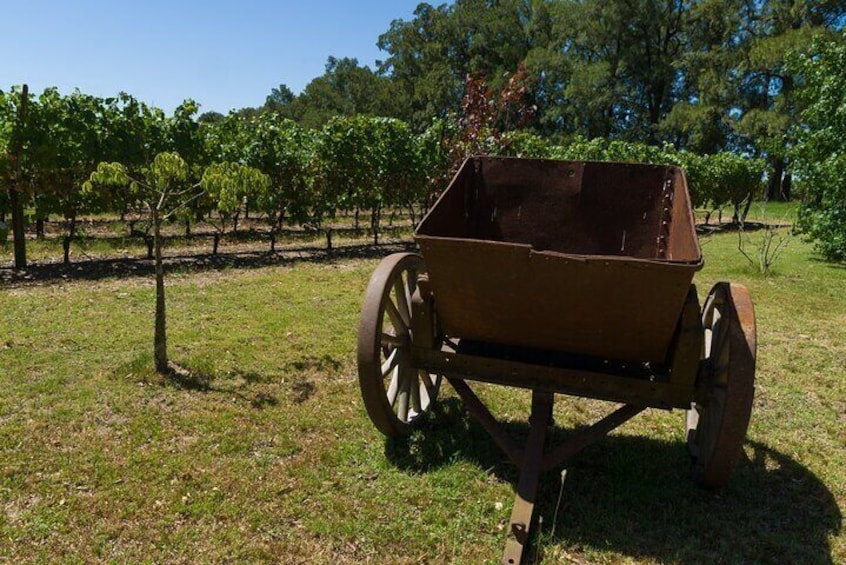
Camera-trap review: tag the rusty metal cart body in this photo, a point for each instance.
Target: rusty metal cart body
(560, 277)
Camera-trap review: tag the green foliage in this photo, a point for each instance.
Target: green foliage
(526, 144)
(345, 89)
(366, 163)
(283, 150)
(162, 188)
(720, 179)
(108, 174)
(166, 170)
(229, 184)
(820, 155)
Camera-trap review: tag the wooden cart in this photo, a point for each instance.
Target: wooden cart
(563, 278)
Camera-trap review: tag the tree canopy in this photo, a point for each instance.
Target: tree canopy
(820, 154)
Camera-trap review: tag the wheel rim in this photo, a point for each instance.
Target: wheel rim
(716, 428)
(395, 393)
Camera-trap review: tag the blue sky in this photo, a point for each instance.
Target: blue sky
(222, 54)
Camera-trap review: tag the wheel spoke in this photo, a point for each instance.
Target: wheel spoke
(692, 423)
(393, 387)
(391, 339)
(402, 400)
(411, 285)
(425, 399)
(428, 384)
(710, 421)
(415, 392)
(402, 301)
(396, 318)
(720, 330)
(390, 363)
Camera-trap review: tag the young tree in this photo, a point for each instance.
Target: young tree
(164, 189)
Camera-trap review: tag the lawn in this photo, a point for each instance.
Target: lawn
(266, 454)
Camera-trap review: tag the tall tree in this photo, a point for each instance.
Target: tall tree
(431, 55)
(700, 120)
(345, 89)
(820, 154)
(779, 28)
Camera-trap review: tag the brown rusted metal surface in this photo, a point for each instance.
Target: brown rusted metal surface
(479, 411)
(686, 350)
(616, 382)
(717, 424)
(519, 531)
(589, 258)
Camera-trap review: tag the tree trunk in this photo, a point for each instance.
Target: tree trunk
(18, 227)
(775, 180)
(746, 210)
(216, 243)
(275, 228)
(787, 186)
(160, 335)
(66, 242)
(374, 225)
(329, 239)
(39, 229)
(187, 228)
(15, 200)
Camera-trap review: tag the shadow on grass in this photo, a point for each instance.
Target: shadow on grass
(96, 269)
(199, 375)
(818, 259)
(199, 379)
(731, 227)
(633, 495)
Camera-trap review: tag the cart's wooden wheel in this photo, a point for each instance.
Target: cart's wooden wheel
(716, 427)
(395, 393)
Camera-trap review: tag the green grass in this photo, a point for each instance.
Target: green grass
(778, 213)
(267, 454)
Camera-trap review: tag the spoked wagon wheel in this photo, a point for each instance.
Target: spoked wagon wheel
(716, 427)
(395, 393)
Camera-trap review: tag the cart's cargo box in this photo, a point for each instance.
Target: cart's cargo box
(584, 257)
